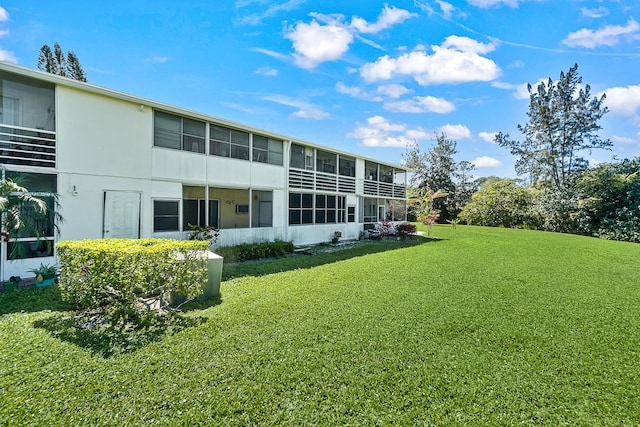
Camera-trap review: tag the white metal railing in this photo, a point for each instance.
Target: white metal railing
(27, 147)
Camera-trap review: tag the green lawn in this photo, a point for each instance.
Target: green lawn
(482, 327)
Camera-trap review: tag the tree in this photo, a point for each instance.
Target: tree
(428, 215)
(55, 62)
(610, 200)
(74, 69)
(436, 170)
(501, 203)
(563, 122)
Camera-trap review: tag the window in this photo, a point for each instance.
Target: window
(347, 166)
(328, 209)
(165, 215)
(36, 237)
(27, 121)
(351, 214)
(301, 157)
(325, 162)
(370, 171)
(386, 174)
(267, 150)
(300, 208)
(399, 177)
(226, 142)
(33, 98)
(178, 133)
(193, 207)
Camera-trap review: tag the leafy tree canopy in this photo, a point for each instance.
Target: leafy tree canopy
(563, 123)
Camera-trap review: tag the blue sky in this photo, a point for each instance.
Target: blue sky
(363, 76)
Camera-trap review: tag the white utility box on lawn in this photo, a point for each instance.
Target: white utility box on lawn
(214, 275)
(211, 288)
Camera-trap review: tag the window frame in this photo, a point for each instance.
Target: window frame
(178, 216)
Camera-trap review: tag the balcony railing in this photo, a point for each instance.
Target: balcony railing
(27, 147)
(321, 181)
(384, 189)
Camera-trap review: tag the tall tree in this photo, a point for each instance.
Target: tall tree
(55, 62)
(563, 122)
(436, 170)
(74, 69)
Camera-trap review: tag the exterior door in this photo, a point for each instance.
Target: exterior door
(121, 214)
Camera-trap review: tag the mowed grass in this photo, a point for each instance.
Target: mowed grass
(483, 327)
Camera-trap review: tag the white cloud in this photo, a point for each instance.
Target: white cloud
(488, 136)
(379, 131)
(447, 8)
(393, 90)
(457, 60)
(522, 90)
(328, 37)
(455, 131)
(622, 140)
(606, 36)
(157, 59)
(256, 18)
(384, 124)
(596, 12)
(314, 43)
(271, 53)
(489, 3)
(8, 56)
(421, 104)
(306, 110)
(357, 92)
(624, 101)
(387, 18)
(266, 71)
(486, 162)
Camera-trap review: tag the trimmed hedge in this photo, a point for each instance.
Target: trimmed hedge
(249, 251)
(117, 273)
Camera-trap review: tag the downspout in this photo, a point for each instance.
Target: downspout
(3, 244)
(287, 155)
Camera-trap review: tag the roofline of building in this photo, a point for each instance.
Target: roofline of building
(99, 90)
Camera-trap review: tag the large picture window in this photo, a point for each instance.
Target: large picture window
(179, 133)
(307, 208)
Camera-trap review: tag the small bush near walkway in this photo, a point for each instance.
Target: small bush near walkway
(249, 251)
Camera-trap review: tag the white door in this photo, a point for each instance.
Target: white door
(121, 214)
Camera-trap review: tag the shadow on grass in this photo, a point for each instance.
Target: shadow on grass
(202, 304)
(32, 300)
(107, 339)
(319, 255)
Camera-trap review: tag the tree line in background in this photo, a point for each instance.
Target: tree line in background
(561, 192)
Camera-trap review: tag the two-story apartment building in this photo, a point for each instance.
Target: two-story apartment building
(124, 166)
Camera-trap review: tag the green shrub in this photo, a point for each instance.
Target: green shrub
(405, 229)
(117, 273)
(249, 251)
